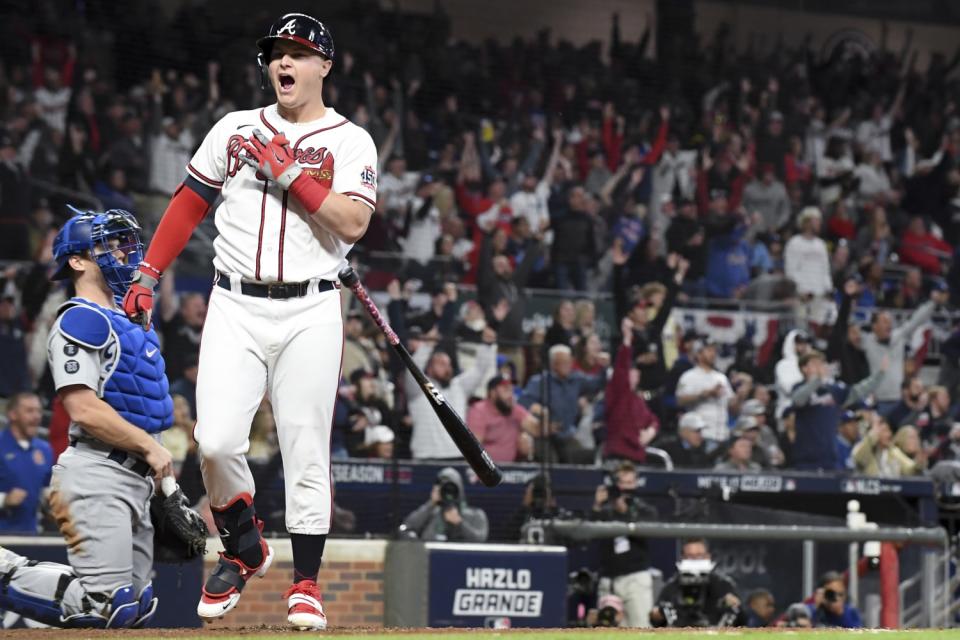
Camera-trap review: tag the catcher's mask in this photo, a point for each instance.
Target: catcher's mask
(103, 236)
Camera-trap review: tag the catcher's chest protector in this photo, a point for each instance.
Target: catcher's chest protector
(136, 386)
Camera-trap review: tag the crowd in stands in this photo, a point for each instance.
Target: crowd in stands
(825, 181)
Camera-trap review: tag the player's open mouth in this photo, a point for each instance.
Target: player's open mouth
(286, 82)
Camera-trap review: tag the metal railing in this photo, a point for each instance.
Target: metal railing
(661, 455)
(589, 530)
(933, 608)
(932, 600)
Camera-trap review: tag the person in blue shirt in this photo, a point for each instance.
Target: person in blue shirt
(728, 260)
(818, 403)
(761, 609)
(830, 607)
(564, 388)
(848, 435)
(25, 465)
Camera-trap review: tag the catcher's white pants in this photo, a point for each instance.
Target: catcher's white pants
(291, 349)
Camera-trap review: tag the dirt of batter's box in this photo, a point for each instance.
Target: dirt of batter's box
(81, 634)
(262, 630)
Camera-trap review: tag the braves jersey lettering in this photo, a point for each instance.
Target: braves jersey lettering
(262, 233)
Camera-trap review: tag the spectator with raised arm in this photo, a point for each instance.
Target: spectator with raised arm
(531, 201)
(573, 241)
(887, 342)
(818, 404)
(648, 316)
(631, 426)
(430, 440)
(846, 339)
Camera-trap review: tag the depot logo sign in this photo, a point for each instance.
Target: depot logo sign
(498, 592)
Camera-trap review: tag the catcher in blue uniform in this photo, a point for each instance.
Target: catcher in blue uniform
(110, 376)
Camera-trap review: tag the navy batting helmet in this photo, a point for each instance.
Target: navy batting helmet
(102, 235)
(297, 27)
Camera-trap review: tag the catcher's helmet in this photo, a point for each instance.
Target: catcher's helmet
(297, 27)
(92, 231)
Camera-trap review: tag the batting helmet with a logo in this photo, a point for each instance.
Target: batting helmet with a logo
(297, 27)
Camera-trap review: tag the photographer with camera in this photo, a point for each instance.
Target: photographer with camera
(445, 517)
(698, 595)
(539, 503)
(830, 607)
(624, 561)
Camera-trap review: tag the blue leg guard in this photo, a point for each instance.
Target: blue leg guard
(30, 605)
(146, 606)
(117, 611)
(50, 593)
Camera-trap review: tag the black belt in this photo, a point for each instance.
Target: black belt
(124, 459)
(274, 290)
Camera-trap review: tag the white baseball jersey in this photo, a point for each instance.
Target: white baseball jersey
(264, 233)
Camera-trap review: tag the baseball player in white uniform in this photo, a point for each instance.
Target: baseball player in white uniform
(298, 186)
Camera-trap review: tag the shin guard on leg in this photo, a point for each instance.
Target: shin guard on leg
(146, 606)
(52, 594)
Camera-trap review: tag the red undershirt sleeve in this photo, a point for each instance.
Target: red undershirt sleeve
(186, 210)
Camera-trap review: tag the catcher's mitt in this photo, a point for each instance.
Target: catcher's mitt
(179, 532)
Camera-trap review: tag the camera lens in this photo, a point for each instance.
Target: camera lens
(449, 492)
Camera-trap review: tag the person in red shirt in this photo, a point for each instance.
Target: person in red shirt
(501, 425)
(921, 248)
(631, 426)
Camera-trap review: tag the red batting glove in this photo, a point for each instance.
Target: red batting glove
(138, 301)
(273, 159)
(312, 187)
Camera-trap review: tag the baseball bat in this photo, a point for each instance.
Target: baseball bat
(473, 452)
